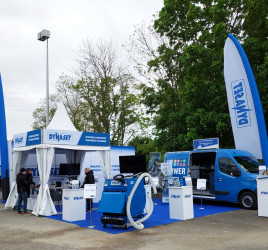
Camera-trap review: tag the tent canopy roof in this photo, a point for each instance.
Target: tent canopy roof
(61, 120)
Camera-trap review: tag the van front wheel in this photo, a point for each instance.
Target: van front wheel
(248, 200)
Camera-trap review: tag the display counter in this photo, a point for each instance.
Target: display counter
(262, 188)
(181, 203)
(31, 202)
(73, 204)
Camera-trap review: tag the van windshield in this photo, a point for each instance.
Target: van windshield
(249, 164)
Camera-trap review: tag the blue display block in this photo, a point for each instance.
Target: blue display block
(112, 202)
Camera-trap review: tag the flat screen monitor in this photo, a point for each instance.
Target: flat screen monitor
(132, 164)
(70, 169)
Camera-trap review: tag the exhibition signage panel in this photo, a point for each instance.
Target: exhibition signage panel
(27, 139)
(181, 203)
(61, 137)
(262, 188)
(166, 169)
(211, 143)
(201, 184)
(73, 205)
(90, 191)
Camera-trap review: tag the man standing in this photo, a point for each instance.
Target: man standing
(89, 179)
(22, 187)
(29, 179)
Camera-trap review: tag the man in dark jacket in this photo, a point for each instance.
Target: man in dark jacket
(22, 187)
(29, 179)
(89, 179)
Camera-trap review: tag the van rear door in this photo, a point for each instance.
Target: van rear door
(227, 177)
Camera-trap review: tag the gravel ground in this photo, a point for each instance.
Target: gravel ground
(241, 229)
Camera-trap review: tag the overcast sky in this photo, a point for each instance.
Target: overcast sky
(23, 57)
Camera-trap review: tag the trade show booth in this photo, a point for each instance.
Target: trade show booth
(59, 135)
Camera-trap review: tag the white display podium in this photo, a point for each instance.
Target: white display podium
(148, 191)
(262, 192)
(31, 202)
(73, 204)
(181, 203)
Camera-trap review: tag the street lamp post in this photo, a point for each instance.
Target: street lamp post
(43, 36)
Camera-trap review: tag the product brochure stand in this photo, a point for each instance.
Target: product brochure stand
(262, 188)
(181, 203)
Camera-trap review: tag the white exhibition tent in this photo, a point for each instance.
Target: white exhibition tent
(45, 153)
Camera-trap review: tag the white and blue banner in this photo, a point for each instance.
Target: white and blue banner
(245, 108)
(211, 143)
(27, 139)
(61, 137)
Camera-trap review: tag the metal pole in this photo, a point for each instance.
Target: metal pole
(201, 200)
(47, 92)
(91, 226)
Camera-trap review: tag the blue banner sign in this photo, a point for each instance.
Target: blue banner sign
(33, 137)
(61, 137)
(28, 139)
(211, 143)
(94, 139)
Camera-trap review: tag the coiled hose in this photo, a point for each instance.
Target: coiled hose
(138, 224)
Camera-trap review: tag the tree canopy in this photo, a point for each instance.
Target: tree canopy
(101, 97)
(190, 101)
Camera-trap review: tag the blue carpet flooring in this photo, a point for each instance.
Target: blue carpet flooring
(160, 216)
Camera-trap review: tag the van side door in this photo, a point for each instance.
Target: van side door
(227, 178)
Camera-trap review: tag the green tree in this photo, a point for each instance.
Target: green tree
(69, 97)
(190, 102)
(102, 97)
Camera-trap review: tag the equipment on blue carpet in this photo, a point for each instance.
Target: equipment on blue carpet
(123, 201)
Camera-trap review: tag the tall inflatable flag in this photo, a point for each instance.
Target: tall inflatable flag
(245, 108)
(3, 139)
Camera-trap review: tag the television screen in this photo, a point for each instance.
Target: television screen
(70, 169)
(132, 164)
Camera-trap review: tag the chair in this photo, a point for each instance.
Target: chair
(55, 196)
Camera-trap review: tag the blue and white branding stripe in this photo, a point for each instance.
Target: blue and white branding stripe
(63, 137)
(20, 140)
(27, 139)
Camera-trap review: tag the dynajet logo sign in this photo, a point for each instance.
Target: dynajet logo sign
(242, 110)
(60, 137)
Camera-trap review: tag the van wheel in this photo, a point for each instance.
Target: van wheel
(248, 200)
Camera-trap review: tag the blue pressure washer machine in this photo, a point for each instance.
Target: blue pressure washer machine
(115, 197)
